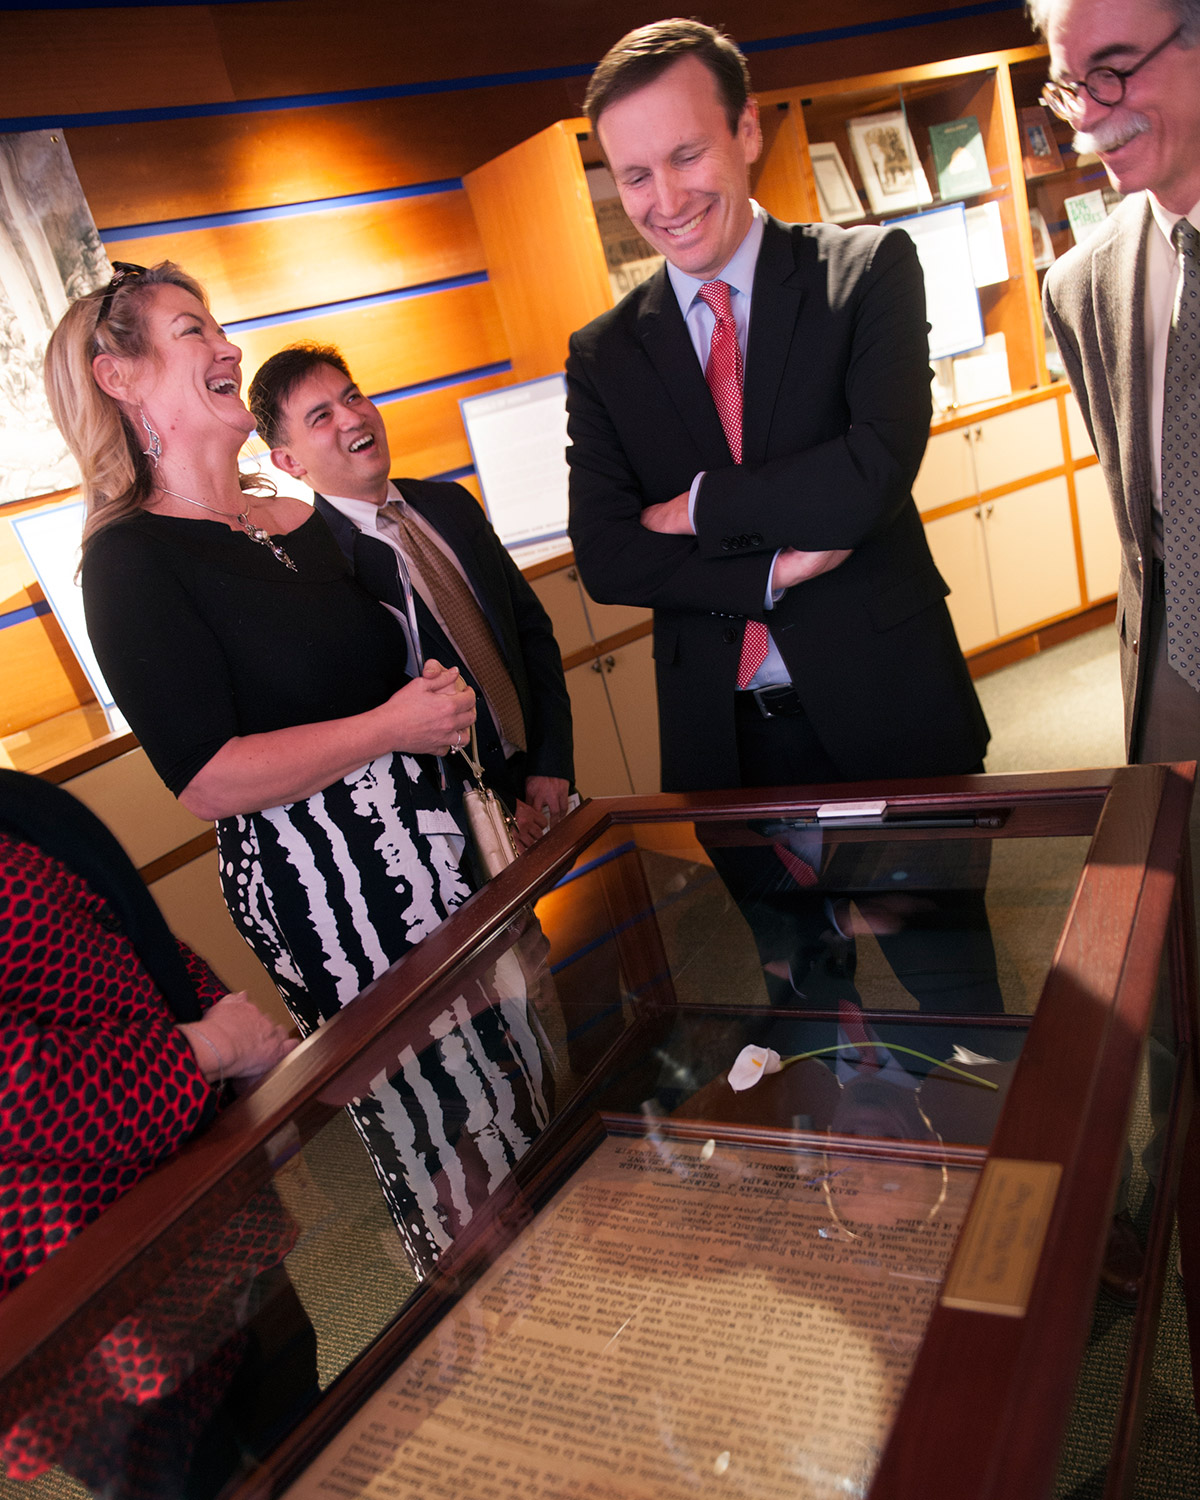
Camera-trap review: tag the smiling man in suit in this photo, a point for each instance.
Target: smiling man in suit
(745, 428)
(426, 550)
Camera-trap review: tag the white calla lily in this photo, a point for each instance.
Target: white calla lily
(750, 1065)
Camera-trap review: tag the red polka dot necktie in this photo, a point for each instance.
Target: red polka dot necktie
(723, 372)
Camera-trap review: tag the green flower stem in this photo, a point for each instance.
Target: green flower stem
(889, 1047)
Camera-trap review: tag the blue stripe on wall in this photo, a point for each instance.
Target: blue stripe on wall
(20, 616)
(460, 377)
(451, 475)
(355, 304)
(281, 211)
(475, 81)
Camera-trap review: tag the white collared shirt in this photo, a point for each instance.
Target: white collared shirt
(369, 517)
(1162, 284)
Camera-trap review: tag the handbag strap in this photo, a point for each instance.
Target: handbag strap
(472, 759)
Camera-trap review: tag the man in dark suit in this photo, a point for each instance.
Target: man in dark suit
(427, 551)
(809, 527)
(745, 428)
(1124, 309)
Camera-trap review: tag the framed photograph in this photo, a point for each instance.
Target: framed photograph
(1043, 248)
(1039, 149)
(836, 193)
(888, 163)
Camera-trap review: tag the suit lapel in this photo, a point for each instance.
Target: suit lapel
(664, 336)
(1120, 270)
(779, 287)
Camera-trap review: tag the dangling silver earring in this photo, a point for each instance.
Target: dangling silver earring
(154, 451)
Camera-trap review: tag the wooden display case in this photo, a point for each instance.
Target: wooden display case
(685, 1289)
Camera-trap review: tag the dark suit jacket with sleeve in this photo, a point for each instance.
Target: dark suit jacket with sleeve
(520, 624)
(1095, 306)
(836, 416)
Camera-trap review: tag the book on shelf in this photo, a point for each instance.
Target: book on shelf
(959, 158)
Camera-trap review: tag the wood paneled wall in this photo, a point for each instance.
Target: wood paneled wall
(304, 160)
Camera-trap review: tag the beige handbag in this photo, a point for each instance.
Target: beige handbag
(492, 830)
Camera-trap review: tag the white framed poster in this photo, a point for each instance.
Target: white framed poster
(518, 439)
(51, 539)
(951, 297)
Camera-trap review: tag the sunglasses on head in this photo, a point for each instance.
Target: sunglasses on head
(123, 271)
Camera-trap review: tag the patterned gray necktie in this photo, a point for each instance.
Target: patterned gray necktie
(1181, 463)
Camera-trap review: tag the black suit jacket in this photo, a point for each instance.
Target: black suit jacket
(520, 624)
(835, 419)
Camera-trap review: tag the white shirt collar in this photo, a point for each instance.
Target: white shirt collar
(738, 271)
(1167, 221)
(364, 513)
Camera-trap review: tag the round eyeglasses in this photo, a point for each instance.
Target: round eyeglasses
(1105, 85)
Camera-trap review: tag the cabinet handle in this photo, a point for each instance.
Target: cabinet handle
(596, 667)
(610, 662)
(606, 665)
(979, 434)
(988, 509)
(573, 574)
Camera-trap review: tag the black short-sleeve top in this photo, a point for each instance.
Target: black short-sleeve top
(203, 635)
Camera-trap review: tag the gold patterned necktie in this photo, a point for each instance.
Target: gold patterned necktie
(1181, 463)
(723, 372)
(465, 623)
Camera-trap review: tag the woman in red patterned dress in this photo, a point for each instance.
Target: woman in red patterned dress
(115, 1043)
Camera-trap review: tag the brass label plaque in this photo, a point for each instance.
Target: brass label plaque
(1001, 1242)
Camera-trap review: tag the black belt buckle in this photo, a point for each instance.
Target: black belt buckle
(777, 701)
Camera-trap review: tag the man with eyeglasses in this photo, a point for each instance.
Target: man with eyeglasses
(1124, 309)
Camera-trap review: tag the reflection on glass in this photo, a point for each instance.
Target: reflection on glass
(631, 1339)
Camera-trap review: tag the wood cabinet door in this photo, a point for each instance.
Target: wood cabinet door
(1098, 532)
(1077, 433)
(599, 760)
(1031, 555)
(630, 683)
(957, 544)
(562, 598)
(611, 619)
(947, 471)
(1017, 444)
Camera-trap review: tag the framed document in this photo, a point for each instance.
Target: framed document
(518, 439)
(677, 1285)
(1039, 149)
(951, 297)
(887, 160)
(836, 192)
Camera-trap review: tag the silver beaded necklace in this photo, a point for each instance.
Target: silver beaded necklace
(255, 533)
